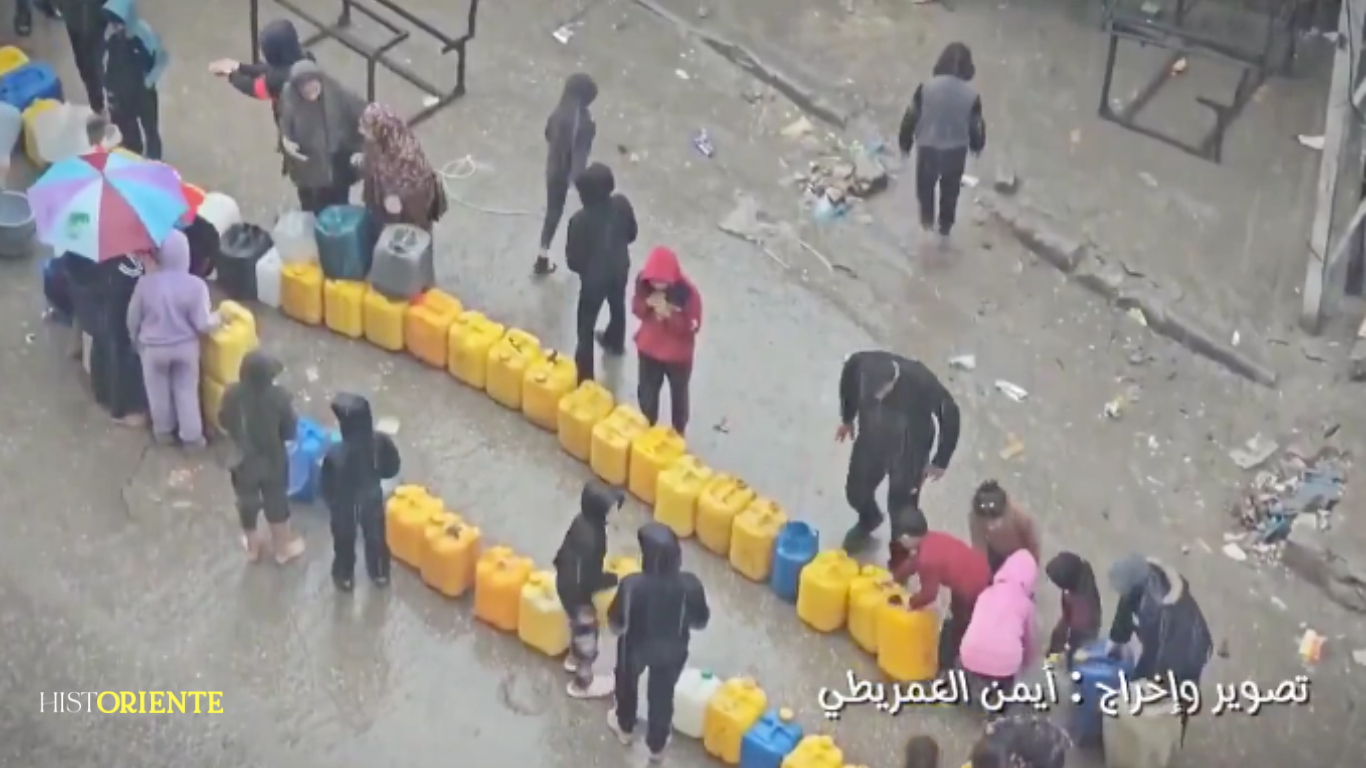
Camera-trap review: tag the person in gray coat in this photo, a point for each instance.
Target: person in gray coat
(944, 122)
(320, 134)
(569, 134)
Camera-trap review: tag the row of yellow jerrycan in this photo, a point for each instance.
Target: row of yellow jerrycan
(836, 592)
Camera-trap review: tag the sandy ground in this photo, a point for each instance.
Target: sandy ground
(119, 569)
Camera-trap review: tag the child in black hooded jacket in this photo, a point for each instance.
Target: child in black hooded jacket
(579, 575)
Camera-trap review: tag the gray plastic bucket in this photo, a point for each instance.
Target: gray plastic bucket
(16, 225)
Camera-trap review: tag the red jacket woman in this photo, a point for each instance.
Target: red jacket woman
(670, 312)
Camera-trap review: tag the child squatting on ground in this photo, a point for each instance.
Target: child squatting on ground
(579, 576)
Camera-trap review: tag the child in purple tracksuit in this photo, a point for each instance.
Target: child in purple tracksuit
(168, 313)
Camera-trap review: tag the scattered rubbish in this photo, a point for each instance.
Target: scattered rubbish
(1234, 552)
(969, 182)
(387, 425)
(1311, 647)
(1310, 142)
(1137, 316)
(1179, 66)
(311, 373)
(681, 75)
(1014, 447)
(563, 34)
(824, 209)
(963, 362)
(1006, 183)
(1148, 179)
(798, 128)
(702, 143)
(1359, 656)
(1222, 651)
(1255, 451)
(29, 338)
(1075, 137)
(1298, 492)
(1154, 446)
(1236, 338)
(859, 174)
(430, 101)
(722, 426)
(1013, 391)
(1114, 409)
(1279, 603)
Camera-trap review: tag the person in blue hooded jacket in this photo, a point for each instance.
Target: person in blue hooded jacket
(134, 61)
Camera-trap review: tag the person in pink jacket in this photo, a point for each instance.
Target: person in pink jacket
(1000, 637)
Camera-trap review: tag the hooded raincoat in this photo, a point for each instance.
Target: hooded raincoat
(569, 134)
(599, 236)
(668, 337)
(1156, 604)
(259, 416)
(280, 50)
(350, 484)
(999, 639)
(579, 561)
(134, 61)
(326, 129)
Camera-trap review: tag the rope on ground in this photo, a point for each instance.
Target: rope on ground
(463, 169)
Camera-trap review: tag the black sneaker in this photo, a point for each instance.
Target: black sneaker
(856, 540)
(615, 350)
(543, 266)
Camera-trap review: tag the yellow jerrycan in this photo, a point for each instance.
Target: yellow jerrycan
(907, 642)
(471, 337)
(427, 327)
(547, 382)
(754, 536)
(498, 581)
(652, 453)
(815, 752)
(301, 293)
(226, 346)
(508, 362)
(823, 590)
(344, 307)
(406, 515)
(722, 499)
(384, 321)
(580, 412)
(676, 493)
(451, 555)
(622, 567)
(868, 594)
(541, 621)
(730, 714)
(610, 455)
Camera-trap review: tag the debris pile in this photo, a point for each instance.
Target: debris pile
(858, 174)
(1297, 491)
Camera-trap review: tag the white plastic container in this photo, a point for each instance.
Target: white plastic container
(1149, 739)
(268, 270)
(694, 691)
(220, 210)
(295, 239)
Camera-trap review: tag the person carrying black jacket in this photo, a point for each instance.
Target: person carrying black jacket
(597, 249)
(351, 485)
(579, 575)
(945, 120)
(901, 409)
(654, 615)
(85, 23)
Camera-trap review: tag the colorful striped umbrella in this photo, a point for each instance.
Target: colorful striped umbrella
(104, 205)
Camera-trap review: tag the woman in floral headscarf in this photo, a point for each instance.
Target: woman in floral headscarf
(401, 187)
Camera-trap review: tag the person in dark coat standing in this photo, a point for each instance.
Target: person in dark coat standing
(101, 294)
(944, 122)
(670, 312)
(320, 135)
(280, 50)
(85, 23)
(579, 575)
(134, 62)
(654, 615)
(351, 485)
(900, 408)
(1156, 604)
(569, 134)
(258, 415)
(597, 249)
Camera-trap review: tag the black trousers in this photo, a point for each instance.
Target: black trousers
(659, 696)
(874, 458)
(592, 295)
(939, 170)
(257, 494)
(138, 116)
(88, 50)
(651, 377)
(367, 519)
(116, 371)
(556, 190)
(314, 199)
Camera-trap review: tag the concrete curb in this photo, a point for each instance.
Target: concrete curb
(1075, 259)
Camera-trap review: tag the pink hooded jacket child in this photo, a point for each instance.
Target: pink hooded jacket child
(1000, 637)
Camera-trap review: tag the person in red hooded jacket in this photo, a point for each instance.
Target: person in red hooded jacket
(670, 312)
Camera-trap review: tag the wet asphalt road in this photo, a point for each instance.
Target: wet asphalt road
(119, 567)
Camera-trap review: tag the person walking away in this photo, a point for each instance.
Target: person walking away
(939, 560)
(569, 134)
(400, 185)
(85, 25)
(654, 615)
(944, 122)
(134, 62)
(579, 576)
(1156, 604)
(167, 315)
(351, 485)
(922, 752)
(1021, 741)
(670, 311)
(597, 249)
(999, 639)
(901, 410)
(319, 132)
(998, 528)
(258, 416)
(1079, 622)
